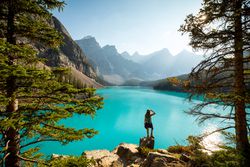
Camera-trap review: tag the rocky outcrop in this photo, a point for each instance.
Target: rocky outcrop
(127, 151)
(148, 142)
(155, 159)
(104, 158)
(128, 155)
(123, 155)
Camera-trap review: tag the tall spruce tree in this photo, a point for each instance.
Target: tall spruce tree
(221, 28)
(32, 100)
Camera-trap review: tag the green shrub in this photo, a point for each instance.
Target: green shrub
(71, 161)
(225, 158)
(179, 149)
(144, 151)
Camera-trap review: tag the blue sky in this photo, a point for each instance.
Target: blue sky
(131, 25)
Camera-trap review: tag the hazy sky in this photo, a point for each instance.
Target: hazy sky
(131, 25)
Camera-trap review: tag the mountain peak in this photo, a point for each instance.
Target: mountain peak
(110, 49)
(161, 53)
(136, 54)
(164, 49)
(88, 42)
(126, 54)
(88, 37)
(185, 52)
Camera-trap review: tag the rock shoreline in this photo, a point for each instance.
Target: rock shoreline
(129, 155)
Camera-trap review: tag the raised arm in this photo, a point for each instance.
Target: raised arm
(152, 113)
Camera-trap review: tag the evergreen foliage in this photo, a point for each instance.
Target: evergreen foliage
(63, 161)
(221, 28)
(33, 98)
(70, 162)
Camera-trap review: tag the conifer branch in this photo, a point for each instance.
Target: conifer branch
(37, 141)
(217, 130)
(31, 160)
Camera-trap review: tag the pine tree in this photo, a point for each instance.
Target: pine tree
(221, 28)
(32, 100)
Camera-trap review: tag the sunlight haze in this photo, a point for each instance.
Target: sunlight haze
(131, 25)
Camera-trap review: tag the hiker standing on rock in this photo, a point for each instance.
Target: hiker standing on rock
(148, 122)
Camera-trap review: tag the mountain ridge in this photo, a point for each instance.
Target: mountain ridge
(120, 67)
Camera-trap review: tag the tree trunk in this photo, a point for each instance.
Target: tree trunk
(11, 135)
(12, 142)
(242, 143)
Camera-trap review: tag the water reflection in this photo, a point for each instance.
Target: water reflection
(213, 141)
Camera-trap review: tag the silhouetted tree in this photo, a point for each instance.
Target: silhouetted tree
(221, 28)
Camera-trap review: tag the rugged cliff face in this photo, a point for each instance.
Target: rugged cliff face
(118, 68)
(109, 64)
(69, 53)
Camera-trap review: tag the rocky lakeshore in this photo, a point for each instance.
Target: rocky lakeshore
(131, 155)
(143, 155)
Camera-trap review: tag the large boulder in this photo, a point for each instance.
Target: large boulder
(148, 142)
(155, 159)
(104, 158)
(128, 153)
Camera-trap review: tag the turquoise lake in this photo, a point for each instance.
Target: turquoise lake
(121, 120)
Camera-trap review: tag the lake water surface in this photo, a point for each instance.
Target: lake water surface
(121, 120)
